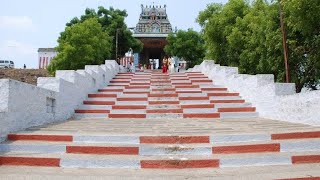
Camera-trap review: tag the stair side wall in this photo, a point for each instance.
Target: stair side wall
(54, 99)
(273, 100)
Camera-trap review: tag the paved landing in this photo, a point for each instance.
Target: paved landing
(170, 127)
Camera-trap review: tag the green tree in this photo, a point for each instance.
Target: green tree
(81, 44)
(112, 22)
(187, 45)
(248, 35)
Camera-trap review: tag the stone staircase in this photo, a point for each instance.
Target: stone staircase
(153, 126)
(156, 95)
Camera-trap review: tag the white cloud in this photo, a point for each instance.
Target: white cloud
(13, 46)
(17, 23)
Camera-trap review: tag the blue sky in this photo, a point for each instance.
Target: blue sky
(27, 25)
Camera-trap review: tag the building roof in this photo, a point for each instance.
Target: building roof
(153, 20)
(150, 35)
(46, 50)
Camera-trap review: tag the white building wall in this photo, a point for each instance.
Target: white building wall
(44, 59)
(54, 99)
(273, 100)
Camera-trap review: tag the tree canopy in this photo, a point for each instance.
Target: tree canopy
(81, 44)
(248, 35)
(112, 22)
(187, 45)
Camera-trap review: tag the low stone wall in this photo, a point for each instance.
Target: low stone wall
(52, 100)
(273, 100)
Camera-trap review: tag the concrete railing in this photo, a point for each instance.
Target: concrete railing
(273, 100)
(54, 99)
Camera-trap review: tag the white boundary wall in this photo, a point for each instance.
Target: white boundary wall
(54, 99)
(273, 100)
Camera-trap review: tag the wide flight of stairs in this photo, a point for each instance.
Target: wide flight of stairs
(156, 95)
(162, 122)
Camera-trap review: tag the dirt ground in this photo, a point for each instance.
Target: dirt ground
(24, 75)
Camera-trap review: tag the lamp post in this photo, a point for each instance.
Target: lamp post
(284, 43)
(117, 33)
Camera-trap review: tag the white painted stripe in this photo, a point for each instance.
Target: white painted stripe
(90, 116)
(193, 95)
(33, 148)
(239, 138)
(188, 89)
(163, 99)
(256, 161)
(199, 110)
(106, 139)
(132, 102)
(95, 107)
(117, 93)
(135, 90)
(223, 105)
(101, 99)
(174, 150)
(134, 96)
(166, 116)
(190, 102)
(225, 98)
(239, 115)
(113, 87)
(97, 163)
(128, 111)
(164, 106)
(300, 146)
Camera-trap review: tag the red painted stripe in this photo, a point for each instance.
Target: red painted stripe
(181, 84)
(99, 102)
(122, 77)
(228, 101)
(179, 164)
(197, 106)
(136, 92)
(180, 79)
(174, 139)
(184, 92)
(208, 115)
(214, 89)
(127, 115)
(140, 84)
(163, 102)
(161, 81)
(129, 107)
(102, 95)
(135, 79)
(164, 111)
(137, 87)
(119, 81)
(102, 150)
(163, 95)
(305, 159)
(198, 77)
(33, 137)
(117, 85)
(189, 86)
(201, 80)
(237, 109)
(110, 90)
(193, 98)
(304, 178)
(29, 161)
(296, 135)
(92, 111)
(223, 94)
(129, 74)
(165, 89)
(132, 99)
(246, 148)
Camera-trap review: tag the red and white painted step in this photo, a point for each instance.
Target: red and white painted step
(215, 151)
(154, 95)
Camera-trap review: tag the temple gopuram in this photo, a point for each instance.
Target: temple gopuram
(152, 30)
